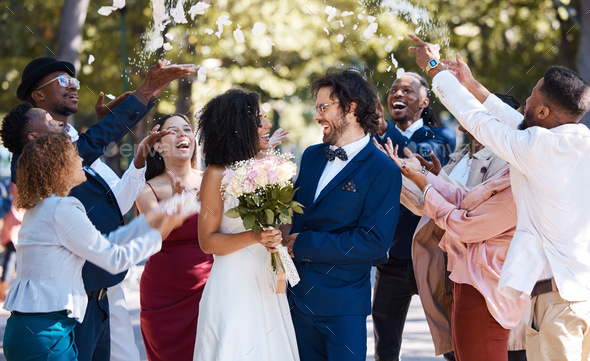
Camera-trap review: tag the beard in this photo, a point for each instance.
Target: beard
(65, 110)
(338, 126)
(524, 125)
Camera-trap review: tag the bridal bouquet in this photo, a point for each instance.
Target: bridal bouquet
(265, 191)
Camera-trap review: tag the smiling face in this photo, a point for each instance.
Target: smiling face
(263, 132)
(333, 121)
(178, 145)
(57, 100)
(407, 98)
(42, 123)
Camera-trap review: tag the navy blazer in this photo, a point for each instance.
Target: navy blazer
(95, 194)
(441, 140)
(344, 231)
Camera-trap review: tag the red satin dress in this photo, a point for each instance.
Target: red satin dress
(170, 291)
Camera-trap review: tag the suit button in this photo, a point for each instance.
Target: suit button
(304, 228)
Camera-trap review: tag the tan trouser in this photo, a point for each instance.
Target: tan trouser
(558, 329)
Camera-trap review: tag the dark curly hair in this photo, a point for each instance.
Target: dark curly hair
(567, 90)
(46, 166)
(15, 127)
(351, 85)
(428, 116)
(228, 127)
(155, 163)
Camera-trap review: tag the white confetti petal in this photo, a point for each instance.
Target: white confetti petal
(119, 4)
(106, 10)
(388, 69)
(178, 13)
(371, 19)
(221, 22)
(355, 26)
(340, 38)
(159, 12)
(400, 72)
(370, 31)
(269, 41)
(198, 9)
(394, 60)
(169, 36)
(326, 30)
(258, 28)
(209, 31)
(202, 75)
(346, 13)
(110, 96)
(90, 59)
(341, 23)
(239, 35)
(158, 42)
(217, 69)
(331, 11)
(418, 30)
(360, 16)
(400, 38)
(167, 46)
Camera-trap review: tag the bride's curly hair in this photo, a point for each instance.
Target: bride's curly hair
(228, 127)
(46, 166)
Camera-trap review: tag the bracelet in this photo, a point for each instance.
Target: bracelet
(425, 192)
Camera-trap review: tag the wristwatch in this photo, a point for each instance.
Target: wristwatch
(431, 65)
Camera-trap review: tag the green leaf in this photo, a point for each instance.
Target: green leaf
(249, 220)
(233, 212)
(297, 208)
(284, 219)
(285, 196)
(270, 216)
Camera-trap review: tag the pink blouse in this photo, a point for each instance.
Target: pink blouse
(479, 225)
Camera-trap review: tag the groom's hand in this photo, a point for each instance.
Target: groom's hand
(289, 242)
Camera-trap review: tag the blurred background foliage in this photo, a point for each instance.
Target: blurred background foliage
(508, 45)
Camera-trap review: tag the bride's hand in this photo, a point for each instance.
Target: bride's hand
(270, 239)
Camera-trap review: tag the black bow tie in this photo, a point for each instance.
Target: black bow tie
(332, 154)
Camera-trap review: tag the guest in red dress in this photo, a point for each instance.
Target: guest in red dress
(173, 279)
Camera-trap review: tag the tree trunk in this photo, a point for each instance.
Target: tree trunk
(73, 16)
(584, 47)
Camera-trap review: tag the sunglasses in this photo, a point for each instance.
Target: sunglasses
(64, 81)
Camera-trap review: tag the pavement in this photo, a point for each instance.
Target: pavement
(416, 346)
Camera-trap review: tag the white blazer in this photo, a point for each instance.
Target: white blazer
(55, 239)
(550, 169)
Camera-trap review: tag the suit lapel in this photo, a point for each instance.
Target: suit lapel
(318, 163)
(343, 174)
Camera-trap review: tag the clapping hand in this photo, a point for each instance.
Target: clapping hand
(177, 186)
(460, 70)
(410, 167)
(433, 167)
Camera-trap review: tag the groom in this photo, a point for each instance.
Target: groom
(351, 193)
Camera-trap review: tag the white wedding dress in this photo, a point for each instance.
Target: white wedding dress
(240, 316)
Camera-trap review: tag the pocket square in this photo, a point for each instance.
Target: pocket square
(349, 187)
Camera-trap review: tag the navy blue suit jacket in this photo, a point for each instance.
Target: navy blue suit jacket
(442, 141)
(95, 194)
(343, 232)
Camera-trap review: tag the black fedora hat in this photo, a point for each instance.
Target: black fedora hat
(37, 69)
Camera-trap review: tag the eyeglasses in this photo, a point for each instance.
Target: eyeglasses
(64, 81)
(321, 108)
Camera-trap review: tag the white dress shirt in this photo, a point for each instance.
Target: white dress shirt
(334, 167)
(126, 189)
(550, 169)
(55, 239)
(412, 128)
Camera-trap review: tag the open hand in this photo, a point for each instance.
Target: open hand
(177, 186)
(160, 75)
(102, 110)
(433, 167)
(460, 70)
(147, 143)
(277, 137)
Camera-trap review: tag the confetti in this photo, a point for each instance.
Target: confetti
(394, 61)
(400, 72)
(178, 13)
(106, 10)
(167, 46)
(370, 31)
(331, 11)
(202, 75)
(239, 35)
(346, 13)
(269, 41)
(119, 4)
(209, 31)
(221, 22)
(169, 36)
(258, 28)
(198, 9)
(90, 59)
(110, 96)
(326, 30)
(340, 38)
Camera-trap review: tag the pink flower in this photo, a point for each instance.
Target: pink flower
(248, 186)
(273, 176)
(252, 173)
(228, 174)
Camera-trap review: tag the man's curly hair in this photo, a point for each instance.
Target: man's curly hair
(14, 128)
(46, 166)
(348, 86)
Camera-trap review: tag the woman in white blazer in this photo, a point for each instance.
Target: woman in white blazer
(55, 240)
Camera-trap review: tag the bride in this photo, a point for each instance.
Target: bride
(240, 315)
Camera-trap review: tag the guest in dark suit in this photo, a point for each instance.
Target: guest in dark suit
(416, 128)
(50, 84)
(351, 197)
